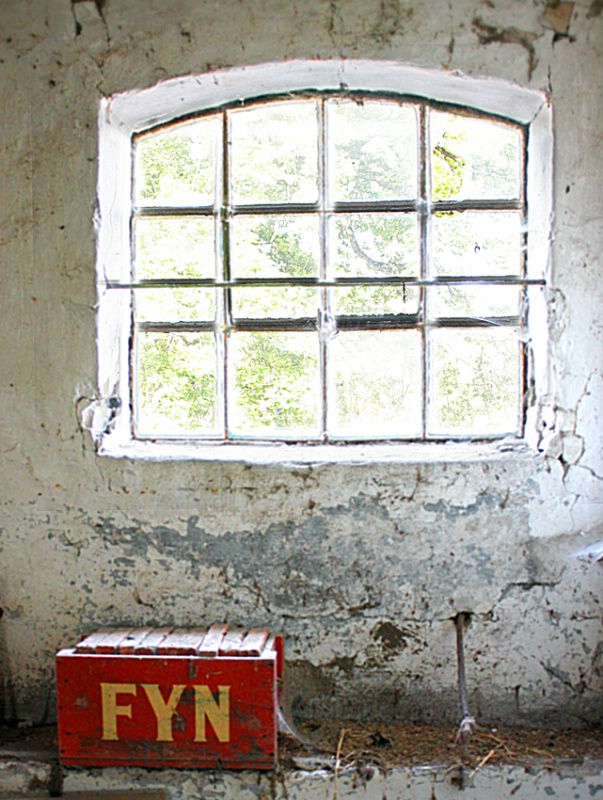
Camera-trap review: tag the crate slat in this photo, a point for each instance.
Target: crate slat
(112, 641)
(232, 641)
(148, 646)
(182, 642)
(253, 643)
(90, 642)
(210, 646)
(132, 640)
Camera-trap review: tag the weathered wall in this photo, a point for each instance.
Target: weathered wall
(361, 566)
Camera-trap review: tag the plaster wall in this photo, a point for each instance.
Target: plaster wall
(361, 565)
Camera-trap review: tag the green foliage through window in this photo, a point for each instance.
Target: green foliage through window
(309, 269)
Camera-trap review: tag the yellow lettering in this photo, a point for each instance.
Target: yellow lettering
(163, 711)
(111, 710)
(218, 713)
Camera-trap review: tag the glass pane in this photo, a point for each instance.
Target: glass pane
(477, 243)
(375, 384)
(373, 150)
(174, 248)
(365, 300)
(274, 384)
(374, 245)
(473, 158)
(275, 153)
(275, 246)
(176, 167)
(175, 384)
(475, 385)
(482, 302)
(175, 304)
(274, 302)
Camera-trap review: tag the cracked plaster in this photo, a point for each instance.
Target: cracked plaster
(362, 566)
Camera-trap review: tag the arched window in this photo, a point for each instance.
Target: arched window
(337, 261)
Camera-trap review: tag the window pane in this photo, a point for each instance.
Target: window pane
(175, 304)
(174, 248)
(274, 384)
(476, 382)
(375, 384)
(275, 153)
(373, 149)
(374, 245)
(474, 158)
(482, 302)
(477, 243)
(274, 302)
(372, 300)
(177, 167)
(175, 383)
(275, 246)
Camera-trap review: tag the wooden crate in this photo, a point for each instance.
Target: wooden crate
(170, 698)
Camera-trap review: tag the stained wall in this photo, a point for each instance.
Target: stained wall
(361, 565)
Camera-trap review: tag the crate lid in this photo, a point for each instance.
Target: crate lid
(213, 642)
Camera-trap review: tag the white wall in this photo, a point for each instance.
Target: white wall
(361, 566)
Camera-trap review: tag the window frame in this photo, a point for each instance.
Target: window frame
(125, 116)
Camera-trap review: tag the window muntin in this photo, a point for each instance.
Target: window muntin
(367, 256)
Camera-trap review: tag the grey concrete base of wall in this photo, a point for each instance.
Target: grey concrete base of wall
(567, 781)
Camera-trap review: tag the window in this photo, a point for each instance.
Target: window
(324, 264)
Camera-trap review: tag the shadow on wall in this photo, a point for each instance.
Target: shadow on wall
(4, 675)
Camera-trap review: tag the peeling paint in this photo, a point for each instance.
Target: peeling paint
(485, 499)
(99, 6)
(558, 16)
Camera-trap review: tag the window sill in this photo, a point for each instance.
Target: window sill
(294, 455)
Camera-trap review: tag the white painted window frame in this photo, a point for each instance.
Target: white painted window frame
(123, 115)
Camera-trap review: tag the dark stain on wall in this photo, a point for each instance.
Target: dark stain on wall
(391, 638)
(489, 34)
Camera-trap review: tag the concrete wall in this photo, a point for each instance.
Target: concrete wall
(362, 566)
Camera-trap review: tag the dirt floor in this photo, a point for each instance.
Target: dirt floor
(388, 746)
(346, 743)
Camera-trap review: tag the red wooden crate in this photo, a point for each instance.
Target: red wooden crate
(170, 698)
